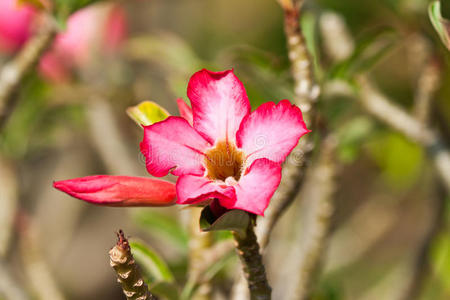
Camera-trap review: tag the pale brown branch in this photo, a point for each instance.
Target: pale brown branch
(13, 73)
(128, 273)
(306, 92)
(317, 207)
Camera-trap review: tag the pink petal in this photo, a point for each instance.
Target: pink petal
(271, 131)
(119, 190)
(256, 187)
(185, 110)
(15, 24)
(173, 144)
(219, 103)
(197, 189)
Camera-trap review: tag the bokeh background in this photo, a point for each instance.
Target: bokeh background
(391, 221)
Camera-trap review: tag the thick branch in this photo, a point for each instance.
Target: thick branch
(254, 271)
(128, 274)
(306, 93)
(13, 73)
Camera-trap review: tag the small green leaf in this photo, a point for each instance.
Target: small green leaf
(441, 25)
(235, 220)
(147, 113)
(153, 265)
(369, 50)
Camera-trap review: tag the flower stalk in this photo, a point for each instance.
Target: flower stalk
(128, 274)
(248, 250)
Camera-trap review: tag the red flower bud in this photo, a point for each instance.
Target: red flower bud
(119, 190)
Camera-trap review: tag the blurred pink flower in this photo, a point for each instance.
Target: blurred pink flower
(91, 32)
(220, 150)
(15, 25)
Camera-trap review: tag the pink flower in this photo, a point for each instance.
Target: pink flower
(228, 153)
(97, 29)
(119, 190)
(15, 25)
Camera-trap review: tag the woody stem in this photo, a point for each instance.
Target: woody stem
(128, 274)
(248, 250)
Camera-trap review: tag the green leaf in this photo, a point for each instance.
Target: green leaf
(235, 220)
(441, 25)
(309, 27)
(153, 265)
(164, 226)
(165, 289)
(147, 113)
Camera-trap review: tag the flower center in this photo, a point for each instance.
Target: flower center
(224, 161)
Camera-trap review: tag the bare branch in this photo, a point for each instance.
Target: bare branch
(306, 92)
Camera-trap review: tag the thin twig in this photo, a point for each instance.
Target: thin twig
(13, 73)
(303, 260)
(128, 273)
(248, 250)
(306, 92)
